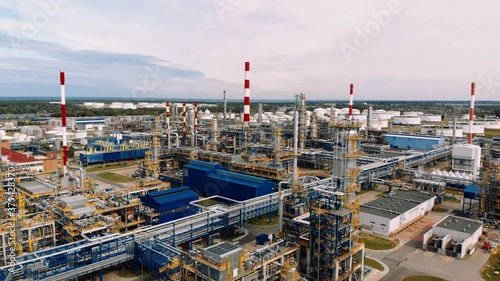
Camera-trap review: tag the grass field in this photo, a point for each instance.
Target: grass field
(373, 263)
(422, 278)
(440, 210)
(491, 133)
(114, 177)
(454, 191)
(264, 220)
(452, 200)
(374, 242)
(106, 167)
(491, 265)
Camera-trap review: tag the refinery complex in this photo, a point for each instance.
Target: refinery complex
(195, 179)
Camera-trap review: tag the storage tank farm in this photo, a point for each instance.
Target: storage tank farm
(197, 182)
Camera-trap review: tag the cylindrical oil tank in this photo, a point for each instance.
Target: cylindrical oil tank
(430, 118)
(406, 120)
(57, 144)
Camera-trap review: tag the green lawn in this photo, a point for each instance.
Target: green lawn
(111, 166)
(422, 278)
(264, 220)
(207, 202)
(492, 265)
(440, 210)
(454, 191)
(114, 177)
(452, 200)
(373, 263)
(374, 242)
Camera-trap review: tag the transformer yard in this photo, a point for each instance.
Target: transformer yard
(196, 179)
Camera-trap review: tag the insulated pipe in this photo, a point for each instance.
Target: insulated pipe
(167, 121)
(246, 101)
(184, 124)
(295, 143)
(63, 117)
(350, 101)
(195, 123)
(471, 111)
(225, 105)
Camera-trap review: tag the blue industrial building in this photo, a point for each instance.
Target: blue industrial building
(99, 157)
(171, 204)
(209, 179)
(413, 142)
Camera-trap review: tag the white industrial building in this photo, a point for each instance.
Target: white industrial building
(392, 213)
(453, 236)
(466, 158)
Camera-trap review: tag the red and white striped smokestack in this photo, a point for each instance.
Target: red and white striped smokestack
(246, 102)
(350, 101)
(471, 112)
(63, 118)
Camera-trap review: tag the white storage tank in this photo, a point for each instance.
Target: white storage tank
(406, 120)
(320, 111)
(359, 117)
(448, 132)
(430, 118)
(413, 113)
(381, 115)
(476, 128)
(52, 134)
(490, 124)
(20, 137)
(38, 132)
(394, 113)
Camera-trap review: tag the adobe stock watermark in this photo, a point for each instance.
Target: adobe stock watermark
(487, 86)
(12, 213)
(222, 7)
(40, 19)
(149, 82)
(363, 36)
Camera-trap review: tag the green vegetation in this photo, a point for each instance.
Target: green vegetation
(452, 199)
(374, 242)
(454, 191)
(491, 265)
(382, 193)
(440, 210)
(423, 278)
(114, 177)
(208, 202)
(43, 107)
(111, 166)
(491, 133)
(264, 220)
(373, 263)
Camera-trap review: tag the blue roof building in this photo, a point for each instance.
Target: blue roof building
(413, 142)
(171, 204)
(209, 179)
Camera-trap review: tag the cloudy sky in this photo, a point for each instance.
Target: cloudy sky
(174, 49)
